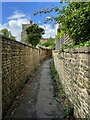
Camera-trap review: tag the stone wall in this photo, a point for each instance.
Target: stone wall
(18, 63)
(73, 67)
(0, 79)
(63, 40)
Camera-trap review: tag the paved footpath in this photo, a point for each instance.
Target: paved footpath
(38, 100)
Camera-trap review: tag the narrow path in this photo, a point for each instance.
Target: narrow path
(38, 100)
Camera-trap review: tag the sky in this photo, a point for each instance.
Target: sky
(14, 14)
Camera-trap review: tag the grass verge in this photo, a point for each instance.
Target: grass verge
(60, 94)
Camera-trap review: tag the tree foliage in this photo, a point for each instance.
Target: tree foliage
(74, 19)
(50, 43)
(48, 10)
(34, 34)
(7, 34)
(59, 34)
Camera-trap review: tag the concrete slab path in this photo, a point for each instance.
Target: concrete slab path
(38, 100)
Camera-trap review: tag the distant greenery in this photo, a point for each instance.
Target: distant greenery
(34, 34)
(50, 43)
(7, 34)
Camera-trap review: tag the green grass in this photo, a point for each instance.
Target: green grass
(60, 94)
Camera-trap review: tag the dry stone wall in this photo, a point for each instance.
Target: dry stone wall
(18, 63)
(73, 68)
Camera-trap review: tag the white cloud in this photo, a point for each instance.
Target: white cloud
(15, 24)
(16, 27)
(48, 17)
(39, 22)
(49, 30)
(17, 15)
(4, 26)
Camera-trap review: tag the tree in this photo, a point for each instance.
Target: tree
(74, 19)
(50, 43)
(7, 34)
(34, 34)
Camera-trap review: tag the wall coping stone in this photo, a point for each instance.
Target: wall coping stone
(78, 50)
(55, 51)
(1, 36)
(75, 50)
(11, 40)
